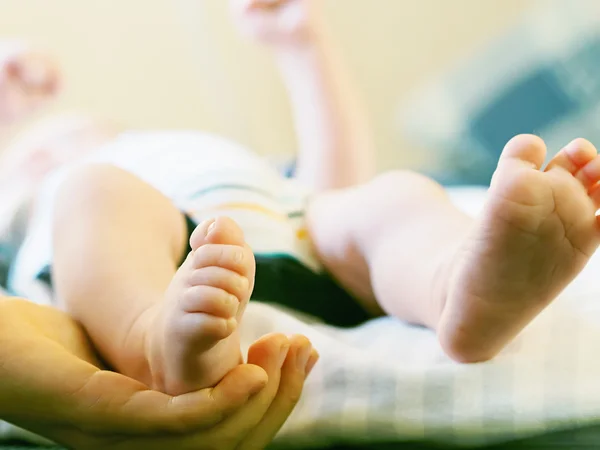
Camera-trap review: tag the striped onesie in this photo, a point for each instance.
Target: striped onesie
(207, 176)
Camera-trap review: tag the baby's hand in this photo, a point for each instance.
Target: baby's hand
(275, 22)
(27, 80)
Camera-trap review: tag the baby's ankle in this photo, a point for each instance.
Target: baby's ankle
(134, 358)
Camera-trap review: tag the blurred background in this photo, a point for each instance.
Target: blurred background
(445, 82)
(181, 64)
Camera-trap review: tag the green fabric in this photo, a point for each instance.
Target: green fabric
(25, 447)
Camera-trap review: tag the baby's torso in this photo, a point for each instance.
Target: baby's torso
(206, 176)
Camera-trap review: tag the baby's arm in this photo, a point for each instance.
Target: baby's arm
(334, 138)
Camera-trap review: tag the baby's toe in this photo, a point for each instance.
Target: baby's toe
(220, 278)
(221, 230)
(572, 158)
(236, 258)
(209, 300)
(589, 175)
(524, 149)
(203, 331)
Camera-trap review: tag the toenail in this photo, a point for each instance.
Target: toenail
(238, 256)
(233, 303)
(283, 354)
(312, 360)
(244, 284)
(211, 227)
(302, 357)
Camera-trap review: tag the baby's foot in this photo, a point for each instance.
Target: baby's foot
(194, 341)
(536, 233)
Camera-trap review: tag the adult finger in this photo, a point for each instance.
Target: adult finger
(269, 352)
(299, 361)
(149, 419)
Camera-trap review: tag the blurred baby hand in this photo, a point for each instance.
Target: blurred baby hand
(28, 79)
(276, 22)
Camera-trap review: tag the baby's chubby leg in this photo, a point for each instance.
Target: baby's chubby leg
(402, 248)
(118, 244)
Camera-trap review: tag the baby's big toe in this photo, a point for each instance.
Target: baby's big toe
(525, 148)
(221, 230)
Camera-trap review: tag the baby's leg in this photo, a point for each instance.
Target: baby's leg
(117, 247)
(402, 248)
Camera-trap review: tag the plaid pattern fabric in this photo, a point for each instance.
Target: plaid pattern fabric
(540, 77)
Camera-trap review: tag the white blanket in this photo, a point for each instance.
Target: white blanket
(386, 380)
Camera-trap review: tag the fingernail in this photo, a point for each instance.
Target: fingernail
(311, 362)
(283, 354)
(302, 357)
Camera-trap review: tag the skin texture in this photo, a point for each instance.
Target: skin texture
(82, 406)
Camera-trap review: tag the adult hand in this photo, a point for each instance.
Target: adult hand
(51, 384)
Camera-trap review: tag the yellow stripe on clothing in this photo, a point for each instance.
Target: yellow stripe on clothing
(243, 206)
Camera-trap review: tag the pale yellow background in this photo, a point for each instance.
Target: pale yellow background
(180, 63)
